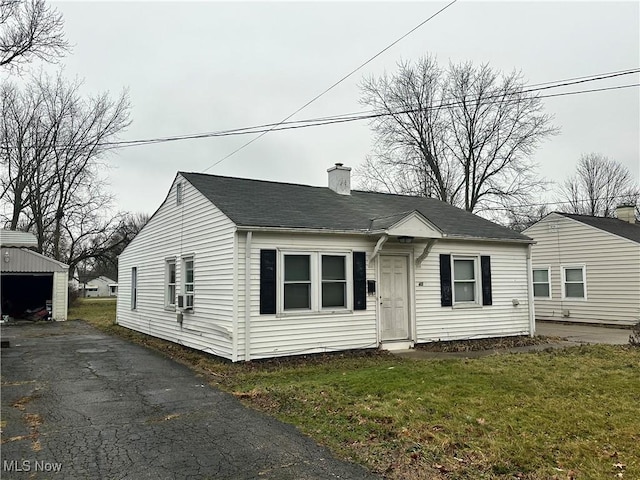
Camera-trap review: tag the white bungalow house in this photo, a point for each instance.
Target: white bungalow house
(587, 269)
(248, 269)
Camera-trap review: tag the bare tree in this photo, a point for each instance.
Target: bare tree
(107, 248)
(30, 29)
(464, 135)
(52, 148)
(598, 187)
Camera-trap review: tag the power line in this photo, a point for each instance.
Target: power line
(369, 115)
(563, 202)
(346, 118)
(332, 86)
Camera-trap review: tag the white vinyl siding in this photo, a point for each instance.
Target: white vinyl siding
(509, 274)
(304, 331)
(60, 296)
(542, 282)
(612, 272)
(197, 229)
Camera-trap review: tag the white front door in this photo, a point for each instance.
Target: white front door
(394, 298)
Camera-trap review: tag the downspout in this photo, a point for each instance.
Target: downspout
(247, 296)
(530, 301)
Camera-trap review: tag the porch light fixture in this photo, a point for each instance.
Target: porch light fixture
(405, 239)
(6, 256)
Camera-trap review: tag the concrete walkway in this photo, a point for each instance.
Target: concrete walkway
(79, 404)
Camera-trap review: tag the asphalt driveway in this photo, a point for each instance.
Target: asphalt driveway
(77, 403)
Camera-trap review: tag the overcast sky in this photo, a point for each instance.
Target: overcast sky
(194, 67)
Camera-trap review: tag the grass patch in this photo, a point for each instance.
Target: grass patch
(561, 414)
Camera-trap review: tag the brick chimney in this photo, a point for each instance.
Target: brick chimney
(626, 213)
(340, 179)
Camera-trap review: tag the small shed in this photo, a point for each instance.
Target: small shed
(31, 284)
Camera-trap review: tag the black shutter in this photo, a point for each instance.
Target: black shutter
(267, 282)
(446, 299)
(359, 281)
(485, 267)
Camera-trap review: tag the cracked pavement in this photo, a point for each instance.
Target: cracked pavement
(97, 406)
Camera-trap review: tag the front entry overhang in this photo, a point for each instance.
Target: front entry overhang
(406, 227)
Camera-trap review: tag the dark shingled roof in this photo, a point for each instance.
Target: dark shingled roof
(621, 228)
(257, 203)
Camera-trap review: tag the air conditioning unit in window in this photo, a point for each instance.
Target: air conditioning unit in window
(185, 302)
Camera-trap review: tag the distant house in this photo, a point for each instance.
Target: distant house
(249, 269)
(99, 287)
(31, 285)
(587, 269)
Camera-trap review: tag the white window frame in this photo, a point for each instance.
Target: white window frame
(189, 293)
(548, 282)
(134, 288)
(315, 272)
(582, 267)
(170, 302)
(477, 292)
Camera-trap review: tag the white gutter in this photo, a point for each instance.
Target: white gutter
(530, 300)
(247, 296)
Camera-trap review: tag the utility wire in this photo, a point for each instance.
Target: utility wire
(369, 115)
(332, 86)
(550, 202)
(334, 120)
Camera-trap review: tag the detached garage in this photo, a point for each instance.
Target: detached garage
(32, 286)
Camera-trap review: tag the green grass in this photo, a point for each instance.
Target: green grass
(564, 414)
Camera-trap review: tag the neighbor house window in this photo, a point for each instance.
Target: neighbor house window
(465, 282)
(541, 283)
(334, 281)
(170, 290)
(297, 282)
(573, 282)
(134, 288)
(188, 283)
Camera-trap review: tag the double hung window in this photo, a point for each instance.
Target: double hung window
(541, 283)
(188, 282)
(465, 282)
(573, 282)
(170, 290)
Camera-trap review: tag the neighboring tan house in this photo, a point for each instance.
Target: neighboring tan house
(247, 269)
(587, 269)
(31, 285)
(99, 287)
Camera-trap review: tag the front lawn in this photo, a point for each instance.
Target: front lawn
(565, 414)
